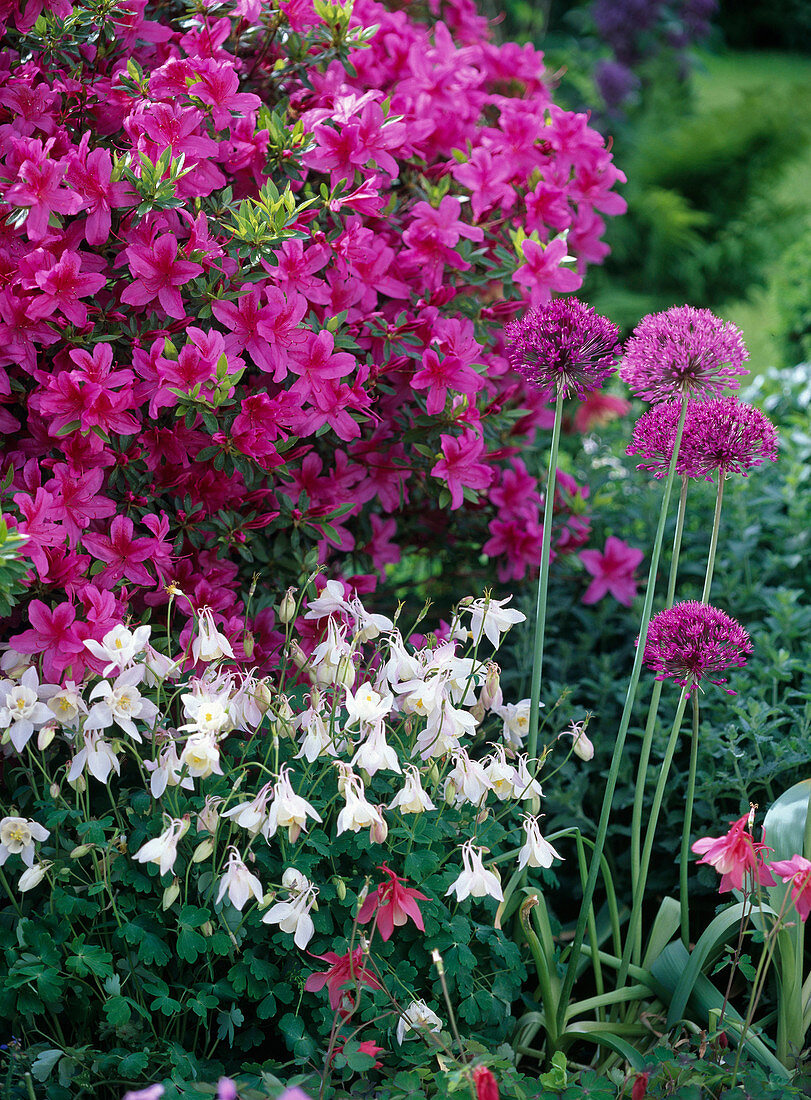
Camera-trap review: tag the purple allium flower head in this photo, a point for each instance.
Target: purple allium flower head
(683, 352)
(565, 346)
(727, 435)
(692, 641)
(721, 434)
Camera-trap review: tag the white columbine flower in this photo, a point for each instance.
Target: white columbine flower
(536, 851)
(475, 881)
(209, 643)
(582, 745)
(358, 813)
(366, 705)
(293, 915)
(524, 786)
(375, 754)
(469, 779)
(67, 704)
(210, 814)
(201, 756)
(158, 667)
(21, 711)
(500, 774)
(238, 882)
(119, 646)
(166, 771)
(251, 814)
(287, 810)
(316, 740)
(516, 721)
(206, 710)
(163, 849)
(331, 660)
(17, 836)
(97, 756)
(331, 601)
(412, 799)
(418, 1017)
(369, 625)
(491, 618)
(33, 876)
(120, 702)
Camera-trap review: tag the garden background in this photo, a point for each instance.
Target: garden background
(257, 260)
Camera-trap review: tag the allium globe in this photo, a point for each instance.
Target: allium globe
(565, 346)
(692, 641)
(683, 352)
(722, 434)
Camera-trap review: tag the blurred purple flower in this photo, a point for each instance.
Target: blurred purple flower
(565, 346)
(692, 641)
(226, 1089)
(151, 1092)
(616, 83)
(683, 352)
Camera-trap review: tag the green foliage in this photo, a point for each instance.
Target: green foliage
(13, 566)
(791, 289)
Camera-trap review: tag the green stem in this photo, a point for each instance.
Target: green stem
(653, 710)
(543, 583)
(653, 818)
(716, 526)
(686, 829)
(625, 721)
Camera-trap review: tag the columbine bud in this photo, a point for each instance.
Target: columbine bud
(170, 894)
(364, 893)
(54, 790)
(263, 696)
(345, 673)
(482, 816)
(297, 655)
(287, 607)
(207, 929)
(33, 876)
(203, 850)
(340, 887)
(534, 804)
(80, 850)
(432, 778)
(248, 644)
(450, 792)
(477, 712)
(492, 685)
(379, 830)
(79, 784)
(45, 736)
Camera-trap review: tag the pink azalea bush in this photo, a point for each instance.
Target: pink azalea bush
(254, 270)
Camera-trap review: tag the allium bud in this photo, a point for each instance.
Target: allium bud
(287, 607)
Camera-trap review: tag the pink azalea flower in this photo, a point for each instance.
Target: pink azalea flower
(394, 903)
(459, 467)
(541, 272)
(613, 571)
(158, 273)
(797, 871)
(734, 855)
(55, 635)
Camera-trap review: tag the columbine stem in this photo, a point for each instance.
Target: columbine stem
(685, 833)
(543, 582)
(653, 818)
(622, 732)
(653, 710)
(716, 526)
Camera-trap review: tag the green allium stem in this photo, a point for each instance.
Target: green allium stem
(716, 526)
(622, 732)
(543, 583)
(684, 866)
(653, 710)
(653, 818)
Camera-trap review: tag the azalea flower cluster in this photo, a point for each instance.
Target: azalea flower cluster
(170, 362)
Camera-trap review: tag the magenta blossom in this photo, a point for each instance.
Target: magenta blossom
(459, 466)
(734, 855)
(613, 571)
(683, 352)
(692, 641)
(566, 347)
(797, 871)
(722, 434)
(394, 903)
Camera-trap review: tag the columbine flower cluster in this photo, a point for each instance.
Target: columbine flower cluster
(175, 346)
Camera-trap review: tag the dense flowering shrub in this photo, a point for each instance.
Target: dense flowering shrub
(273, 857)
(250, 300)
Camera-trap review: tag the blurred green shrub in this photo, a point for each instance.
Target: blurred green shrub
(791, 290)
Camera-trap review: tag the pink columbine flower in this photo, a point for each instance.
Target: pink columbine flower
(692, 641)
(734, 855)
(565, 346)
(797, 871)
(683, 352)
(343, 971)
(612, 570)
(394, 904)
